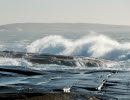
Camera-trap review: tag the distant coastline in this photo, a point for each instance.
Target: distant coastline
(42, 27)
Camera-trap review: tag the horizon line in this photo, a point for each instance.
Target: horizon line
(63, 23)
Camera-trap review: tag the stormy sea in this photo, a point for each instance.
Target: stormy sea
(69, 59)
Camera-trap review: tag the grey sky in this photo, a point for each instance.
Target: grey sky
(73, 11)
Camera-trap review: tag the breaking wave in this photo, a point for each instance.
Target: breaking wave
(99, 46)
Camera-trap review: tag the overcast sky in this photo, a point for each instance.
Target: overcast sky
(73, 11)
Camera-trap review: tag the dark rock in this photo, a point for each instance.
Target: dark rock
(55, 59)
(46, 96)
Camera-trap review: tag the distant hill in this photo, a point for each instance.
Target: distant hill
(75, 27)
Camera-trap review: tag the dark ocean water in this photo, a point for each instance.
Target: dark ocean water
(23, 76)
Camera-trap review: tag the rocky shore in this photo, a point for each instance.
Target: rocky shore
(42, 96)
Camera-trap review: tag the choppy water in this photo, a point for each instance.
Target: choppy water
(112, 81)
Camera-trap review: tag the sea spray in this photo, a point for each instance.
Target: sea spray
(50, 44)
(98, 46)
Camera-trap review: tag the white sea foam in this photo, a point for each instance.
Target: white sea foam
(95, 45)
(50, 44)
(14, 62)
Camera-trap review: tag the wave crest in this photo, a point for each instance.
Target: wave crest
(97, 45)
(50, 44)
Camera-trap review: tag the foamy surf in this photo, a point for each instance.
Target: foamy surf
(93, 45)
(98, 46)
(14, 62)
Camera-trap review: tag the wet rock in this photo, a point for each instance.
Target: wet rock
(55, 59)
(19, 70)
